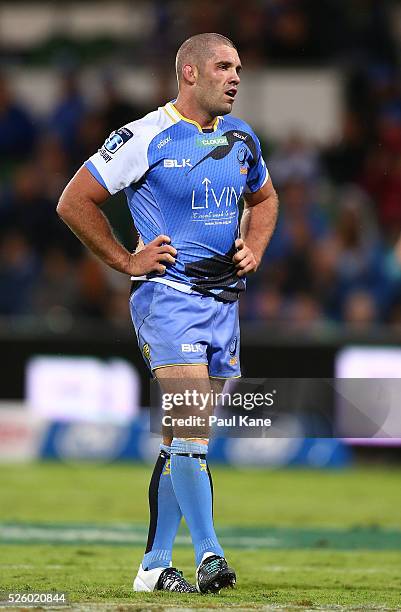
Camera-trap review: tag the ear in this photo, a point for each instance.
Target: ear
(190, 73)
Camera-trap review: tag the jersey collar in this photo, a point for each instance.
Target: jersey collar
(176, 116)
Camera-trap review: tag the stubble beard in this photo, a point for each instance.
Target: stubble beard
(219, 108)
(215, 107)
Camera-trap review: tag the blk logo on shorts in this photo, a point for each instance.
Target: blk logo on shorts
(191, 348)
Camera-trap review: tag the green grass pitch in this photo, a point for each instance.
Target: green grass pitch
(298, 539)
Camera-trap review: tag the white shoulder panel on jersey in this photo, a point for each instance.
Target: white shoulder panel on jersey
(123, 159)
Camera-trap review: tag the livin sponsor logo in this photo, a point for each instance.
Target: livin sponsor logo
(225, 199)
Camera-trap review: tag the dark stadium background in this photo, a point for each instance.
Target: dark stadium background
(329, 279)
(307, 521)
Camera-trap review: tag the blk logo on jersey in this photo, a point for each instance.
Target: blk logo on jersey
(175, 163)
(117, 139)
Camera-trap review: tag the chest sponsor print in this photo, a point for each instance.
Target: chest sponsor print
(215, 206)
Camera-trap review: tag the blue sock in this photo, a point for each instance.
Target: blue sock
(193, 490)
(165, 514)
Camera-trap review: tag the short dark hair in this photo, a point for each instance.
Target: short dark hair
(197, 48)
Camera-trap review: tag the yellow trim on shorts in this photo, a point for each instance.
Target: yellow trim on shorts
(170, 365)
(226, 377)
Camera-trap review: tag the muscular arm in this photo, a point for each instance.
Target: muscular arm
(79, 208)
(257, 226)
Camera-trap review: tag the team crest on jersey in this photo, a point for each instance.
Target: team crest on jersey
(242, 154)
(117, 139)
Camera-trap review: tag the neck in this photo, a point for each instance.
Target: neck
(190, 110)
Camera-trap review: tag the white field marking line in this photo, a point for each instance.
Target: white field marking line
(69, 534)
(110, 535)
(312, 568)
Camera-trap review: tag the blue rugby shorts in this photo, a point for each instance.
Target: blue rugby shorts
(176, 328)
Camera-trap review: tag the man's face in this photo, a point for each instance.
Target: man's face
(217, 81)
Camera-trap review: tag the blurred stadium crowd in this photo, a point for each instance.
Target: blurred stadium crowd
(331, 258)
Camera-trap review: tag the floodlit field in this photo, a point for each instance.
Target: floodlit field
(298, 539)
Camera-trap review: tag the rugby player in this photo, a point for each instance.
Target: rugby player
(184, 168)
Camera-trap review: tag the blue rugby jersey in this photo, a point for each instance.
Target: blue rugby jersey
(185, 183)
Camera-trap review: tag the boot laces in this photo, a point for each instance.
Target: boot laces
(172, 579)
